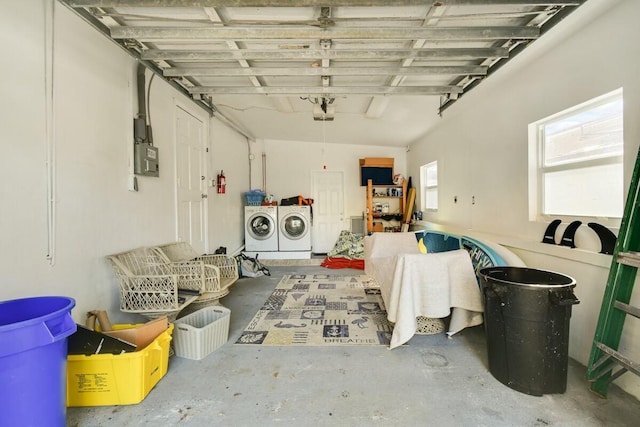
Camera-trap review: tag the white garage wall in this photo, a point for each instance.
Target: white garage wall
(229, 153)
(95, 100)
(289, 165)
(481, 147)
(22, 120)
(90, 110)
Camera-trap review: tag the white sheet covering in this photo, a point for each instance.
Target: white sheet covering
(431, 285)
(415, 284)
(381, 248)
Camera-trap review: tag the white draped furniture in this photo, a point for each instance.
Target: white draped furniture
(414, 284)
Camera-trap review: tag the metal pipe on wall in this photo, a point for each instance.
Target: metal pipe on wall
(230, 123)
(264, 172)
(50, 142)
(250, 160)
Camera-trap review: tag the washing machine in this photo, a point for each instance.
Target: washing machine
(261, 228)
(294, 228)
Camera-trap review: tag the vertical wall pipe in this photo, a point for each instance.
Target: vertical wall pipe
(250, 159)
(49, 130)
(264, 172)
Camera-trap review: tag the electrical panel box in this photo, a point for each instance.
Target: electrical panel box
(145, 159)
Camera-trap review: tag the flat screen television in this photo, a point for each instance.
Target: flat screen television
(378, 176)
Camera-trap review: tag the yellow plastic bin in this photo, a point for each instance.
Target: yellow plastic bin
(123, 379)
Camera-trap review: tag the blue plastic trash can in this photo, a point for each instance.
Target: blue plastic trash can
(33, 360)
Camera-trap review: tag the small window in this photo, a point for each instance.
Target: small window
(579, 160)
(429, 186)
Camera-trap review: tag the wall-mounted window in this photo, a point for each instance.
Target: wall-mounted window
(429, 186)
(577, 161)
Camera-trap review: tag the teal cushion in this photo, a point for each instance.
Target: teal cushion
(437, 241)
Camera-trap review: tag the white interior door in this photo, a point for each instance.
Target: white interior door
(327, 189)
(190, 181)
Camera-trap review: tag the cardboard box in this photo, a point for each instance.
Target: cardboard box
(141, 335)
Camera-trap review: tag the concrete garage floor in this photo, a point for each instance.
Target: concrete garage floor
(434, 381)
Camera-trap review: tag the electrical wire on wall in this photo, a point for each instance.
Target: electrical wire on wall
(144, 134)
(148, 106)
(49, 7)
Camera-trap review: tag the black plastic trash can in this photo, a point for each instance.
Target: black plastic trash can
(527, 313)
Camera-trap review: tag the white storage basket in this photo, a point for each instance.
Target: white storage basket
(198, 334)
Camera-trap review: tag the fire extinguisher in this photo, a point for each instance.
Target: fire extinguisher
(222, 183)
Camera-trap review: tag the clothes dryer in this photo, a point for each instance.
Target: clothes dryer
(261, 228)
(294, 228)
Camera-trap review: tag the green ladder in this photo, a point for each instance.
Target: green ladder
(615, 303)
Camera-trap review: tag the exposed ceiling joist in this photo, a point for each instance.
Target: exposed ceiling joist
(302, 33)
(312, 54)
(326, 91)
(328, 71)
(312, 3)
(214, 16)
(329, 48)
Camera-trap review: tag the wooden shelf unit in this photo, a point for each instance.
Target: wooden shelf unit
(402, 200)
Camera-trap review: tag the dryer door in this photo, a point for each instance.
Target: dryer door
(261, 226)
(294, 226)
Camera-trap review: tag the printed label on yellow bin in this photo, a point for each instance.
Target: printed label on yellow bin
(91, 383)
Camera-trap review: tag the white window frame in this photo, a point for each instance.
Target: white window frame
(537, 168)
(426, 186)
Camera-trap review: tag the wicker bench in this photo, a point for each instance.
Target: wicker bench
(226, 267)
(152, 287)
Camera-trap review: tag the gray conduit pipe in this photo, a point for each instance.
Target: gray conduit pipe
(227, 122)
(217, 114)
(142, 97)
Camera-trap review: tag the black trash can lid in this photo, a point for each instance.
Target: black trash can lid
(523, 276)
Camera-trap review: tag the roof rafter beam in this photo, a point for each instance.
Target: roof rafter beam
(328, 71)
(302, 54)
(357, 33)
(310, 3)
(212, 13)
(430, 20)
(326, 91)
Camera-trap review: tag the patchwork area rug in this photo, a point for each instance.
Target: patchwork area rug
(321, 309)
